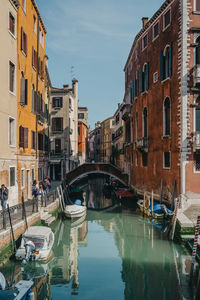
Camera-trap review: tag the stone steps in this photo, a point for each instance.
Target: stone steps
(46, 218)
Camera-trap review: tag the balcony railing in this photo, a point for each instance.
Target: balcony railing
(126, 112)
(142, 144)
(196, 140)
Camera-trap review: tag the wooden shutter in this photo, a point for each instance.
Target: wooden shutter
(22, 91)
(21, 137)
(61, 124)
(61, 102)
(35, 102)
(53, 124)
(170, 60)
(141, 81)
(25, 137)
(161, 66)
(26, 92)
(147, 77)
(53, 102)
(133, 92)
(25, 43)
(22, 41)
(32, 101)
(137, 83)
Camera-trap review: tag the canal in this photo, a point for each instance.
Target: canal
(110, 255)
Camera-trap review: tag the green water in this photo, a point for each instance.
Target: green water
(109, 255)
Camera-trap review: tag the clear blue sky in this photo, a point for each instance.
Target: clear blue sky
(95, 37)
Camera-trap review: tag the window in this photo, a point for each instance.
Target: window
(155, 30)
(23, 137)
(136, 85)
(80, 116)
(155, 77)
(166, 159)
(197, 115)
(40, 177)
(24, 5)
(144, 42)
(34, 24)
(40, 141)
(23, 91)
(57, 124)
(33, 140)
(33, 174)
(41, 37)
(22, 178)
(11, 23)
(57, 102)
(145, 125)
(166, 18)
(79, 130)
(144, 78)
(197, 161)
(11, 131)
(144, 159)
(167, 116)
(34, 58)
(117, 119)
(23, 41)
(197, 5)
(166, 63)
(83, 131)
(12, 176)
(197, 51)
(57, 146)
(11, 77)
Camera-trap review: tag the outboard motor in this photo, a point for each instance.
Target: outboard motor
(29, 247)
(3, 283)
(164, 209)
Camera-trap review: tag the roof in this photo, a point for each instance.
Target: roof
(158, 12)
(82, 108)
(37, 231)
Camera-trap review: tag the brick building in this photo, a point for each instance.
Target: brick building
(162, 103)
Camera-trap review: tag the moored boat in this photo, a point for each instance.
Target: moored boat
(160, 211)
(36, 244)
(75, 211)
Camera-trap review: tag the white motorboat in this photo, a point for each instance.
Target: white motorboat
(36, 244)
(75, 211)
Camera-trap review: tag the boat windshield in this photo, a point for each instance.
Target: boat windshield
(38, 242)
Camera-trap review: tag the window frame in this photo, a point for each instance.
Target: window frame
(14, 80)
(164, 161)
(164, 25)
(194, 164)
(22, 181)
(24, 43)
(9, 132)
(164, 118)
(195, 7)
(34, 24)
(153, 36)
(10, 167)
(24, 5)
(14, 17)
(145, 36)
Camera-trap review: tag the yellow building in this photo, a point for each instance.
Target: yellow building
(31, 61)
(106, 140)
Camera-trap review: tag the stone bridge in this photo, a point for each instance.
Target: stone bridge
(98, 168)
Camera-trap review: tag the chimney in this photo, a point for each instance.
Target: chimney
(75, 87)
(65, 86)
(144, 21)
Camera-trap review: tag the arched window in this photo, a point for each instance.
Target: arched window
(197, 51)
(197, 114)
(145, 125)
(167, 116)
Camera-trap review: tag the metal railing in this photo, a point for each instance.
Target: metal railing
(30, 206)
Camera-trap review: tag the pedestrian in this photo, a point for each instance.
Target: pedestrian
(35, 192)
(41, 193)
(47, 185)
(4, 198)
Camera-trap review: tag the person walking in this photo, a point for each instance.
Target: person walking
(4, 198)
(35, 192)
(41, 193)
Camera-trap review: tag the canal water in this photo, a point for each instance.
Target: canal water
(108, 255)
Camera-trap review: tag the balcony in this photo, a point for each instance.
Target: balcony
(196, 140)
(126, 111)
(57, 153)
(142, 144)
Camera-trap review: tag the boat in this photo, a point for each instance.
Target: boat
(75, 211)
(20, 291)
(160, 211)
(36, 244)
(124, 194)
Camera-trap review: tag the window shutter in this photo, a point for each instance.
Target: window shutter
(26, 92)
(22, 41)
(25, 43)
(161, 66)
(61, 124)
(61, 102)
(137, 83)
(33, 103)
(53, 102)
(22, 91)
(170, 60)
(133, 92)
(130, 92)
(53, 124)
(141, 83)
(147, 76)
(21, 137)
(25, 137)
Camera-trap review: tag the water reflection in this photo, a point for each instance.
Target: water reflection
(108, 255)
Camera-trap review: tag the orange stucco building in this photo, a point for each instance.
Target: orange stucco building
(31, 62)
(82, 142)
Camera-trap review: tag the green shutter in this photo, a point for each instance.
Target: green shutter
(137, 84)
(170, 60)
(133, 93)
(130, 91)
(161, 66)
(141, 81)
(147, 76)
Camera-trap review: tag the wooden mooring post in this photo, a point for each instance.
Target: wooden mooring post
(152, 203)
(194, 250)
(174, 219)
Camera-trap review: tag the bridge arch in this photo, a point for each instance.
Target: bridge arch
(98, 168)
